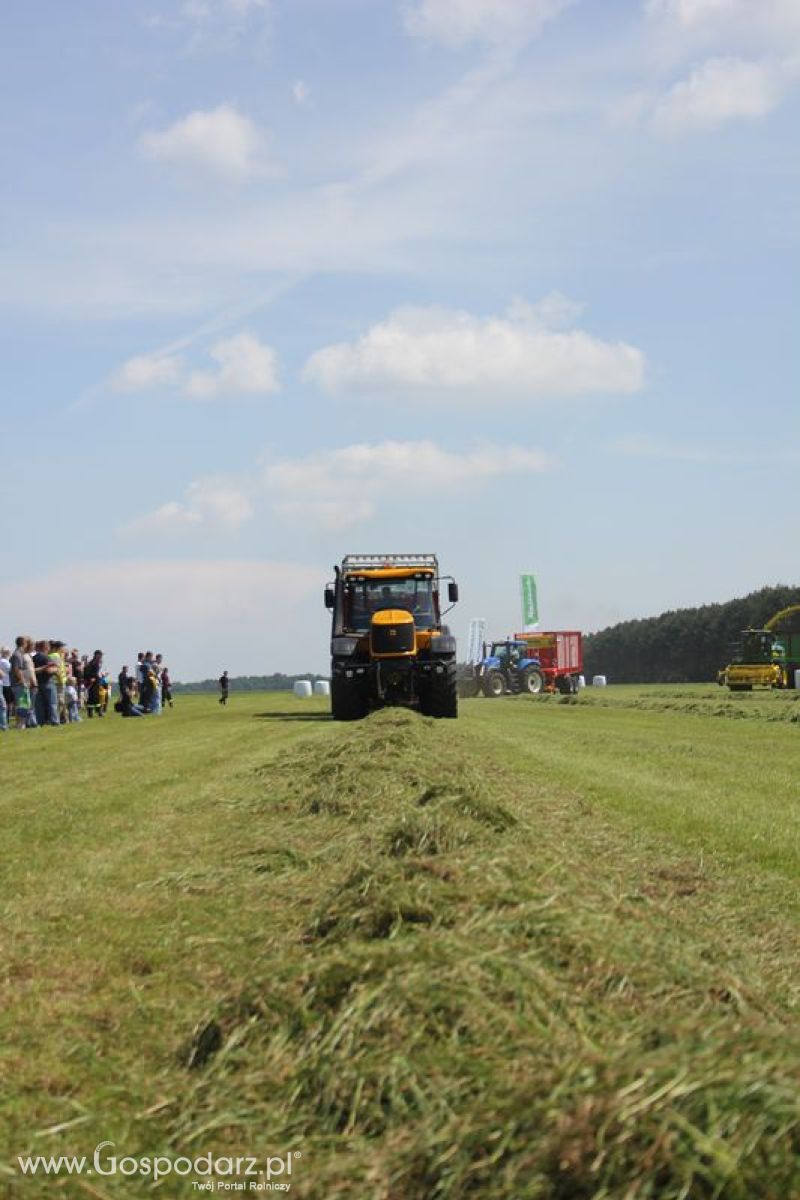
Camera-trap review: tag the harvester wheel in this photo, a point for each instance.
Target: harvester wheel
(441, 692)
(532, 681)
(347, 700)
(494, 684)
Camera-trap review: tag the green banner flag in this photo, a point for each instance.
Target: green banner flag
(530, 603)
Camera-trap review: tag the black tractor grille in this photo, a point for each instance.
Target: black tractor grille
(392, 639)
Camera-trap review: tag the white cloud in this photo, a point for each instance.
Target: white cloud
(333, 490)
(336, 489)
(147, 371)
(744, 58)
(444, 354)
(222, 141)
(211, 505)
(722, 89)
(219, 503)
(766, 24)
(454, 23)
(246, 367)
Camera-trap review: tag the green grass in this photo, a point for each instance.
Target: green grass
(548, 950)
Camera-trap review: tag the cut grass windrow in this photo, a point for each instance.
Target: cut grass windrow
(489, 1001)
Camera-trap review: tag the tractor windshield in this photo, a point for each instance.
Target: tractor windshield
(506, 650)
(363, 597)
(755, 647)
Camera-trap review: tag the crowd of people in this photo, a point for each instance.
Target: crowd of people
(45, 683)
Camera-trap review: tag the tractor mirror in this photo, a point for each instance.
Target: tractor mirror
(329, 597)
(452, 592)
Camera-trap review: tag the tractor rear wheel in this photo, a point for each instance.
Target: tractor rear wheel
(494, 684)
(532, 681)
(440, 695)
(348, 702)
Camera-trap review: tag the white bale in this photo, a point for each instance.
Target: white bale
(599, 681)
(581, 681)
(302, 689)
(797, 681)
(322, 687)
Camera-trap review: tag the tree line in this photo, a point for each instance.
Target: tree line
(688, 645)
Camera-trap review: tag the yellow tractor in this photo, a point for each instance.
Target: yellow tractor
(388, 643)
(767, 657)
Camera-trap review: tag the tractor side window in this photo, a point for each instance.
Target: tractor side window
(422, 607)
(358, 610)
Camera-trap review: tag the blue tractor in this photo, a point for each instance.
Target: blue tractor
(510, 666)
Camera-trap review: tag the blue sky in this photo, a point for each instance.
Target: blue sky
(515, 281)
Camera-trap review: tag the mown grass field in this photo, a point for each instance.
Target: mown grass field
(549, 950)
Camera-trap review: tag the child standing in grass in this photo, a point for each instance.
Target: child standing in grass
(71, 697)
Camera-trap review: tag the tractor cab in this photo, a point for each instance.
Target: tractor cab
(758, 646)
(369, 593)
(509, 653)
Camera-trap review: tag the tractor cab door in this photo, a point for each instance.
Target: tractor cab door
(757, 647)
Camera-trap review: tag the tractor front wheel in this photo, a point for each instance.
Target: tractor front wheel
(440, 695)
(348, 702)
(494, 684)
